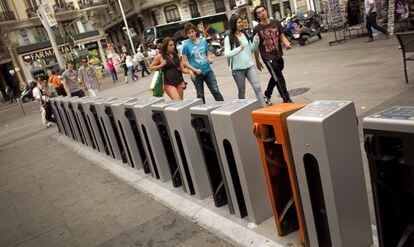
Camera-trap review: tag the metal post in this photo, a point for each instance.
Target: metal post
(52, 41)
(126, 26)
(270, 8)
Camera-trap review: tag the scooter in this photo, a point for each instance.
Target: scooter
(311, 27)
(216, 45)
(27, 94)
(292, 28)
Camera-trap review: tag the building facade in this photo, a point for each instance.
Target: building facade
(25, 48)
(147, 13)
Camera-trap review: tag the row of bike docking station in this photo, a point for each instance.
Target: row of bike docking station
(298, 163)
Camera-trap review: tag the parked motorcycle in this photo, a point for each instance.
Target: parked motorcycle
(311, 26)
(292, 28)
(216, 44)
(27, 94)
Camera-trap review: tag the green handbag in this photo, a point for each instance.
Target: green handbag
(158, 89)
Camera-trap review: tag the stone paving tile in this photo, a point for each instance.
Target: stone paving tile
(90, 231)
(40, 210)
(42, 224)
(204, 239)
(10, 237)
(59, 236)
(168, 229)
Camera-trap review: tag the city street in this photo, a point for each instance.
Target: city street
(52, 196)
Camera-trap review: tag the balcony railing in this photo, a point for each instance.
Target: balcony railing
(59, 8)
(7, 16)
(92, 3)
(31, 12)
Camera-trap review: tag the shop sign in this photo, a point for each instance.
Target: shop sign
(45, 53)
(25, 37)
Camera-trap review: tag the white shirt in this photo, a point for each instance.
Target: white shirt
(367, 3)
(139, 57)
(36, 93)
(128, 61)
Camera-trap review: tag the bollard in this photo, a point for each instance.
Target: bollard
(327, 158)
(240, 155)
(272, 134)
(59, 122)
(110, 130)
(186, 148)
(162, 126)
(389, 145)
(96, 125)
(148, 130)
(134, 137)
(126, 133)
(201, 122)
(72, 119)
(82, 120)
(66, 118)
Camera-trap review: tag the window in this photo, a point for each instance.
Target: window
(232, 4)
(219, 6)
(154, 18)
(32, 4)
(171, 13)
(41, 34)
(192, 5)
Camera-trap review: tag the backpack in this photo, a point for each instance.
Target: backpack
(230, 60)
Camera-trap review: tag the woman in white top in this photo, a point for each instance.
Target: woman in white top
(238, 50)
(130, 66)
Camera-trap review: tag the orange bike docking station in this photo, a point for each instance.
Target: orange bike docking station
(270, 128)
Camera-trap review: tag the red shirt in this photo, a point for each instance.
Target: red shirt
(111, 66)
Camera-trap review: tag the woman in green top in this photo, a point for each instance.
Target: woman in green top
(238, 49)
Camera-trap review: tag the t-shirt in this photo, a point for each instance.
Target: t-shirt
(111, 66)
(36, 93)
(270, 40)
(139, 57)
(196, 54)
(55, 81)
(129, 62)
(367, 3)
(71, 80)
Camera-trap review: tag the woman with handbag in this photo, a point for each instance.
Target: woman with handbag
(173, 69)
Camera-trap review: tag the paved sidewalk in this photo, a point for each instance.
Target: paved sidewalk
(50, 196)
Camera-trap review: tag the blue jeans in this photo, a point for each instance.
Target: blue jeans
(131, 72)
(211, 82)
(240, 76)
(114, 75)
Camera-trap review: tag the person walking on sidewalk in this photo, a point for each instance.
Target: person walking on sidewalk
(112, 70)
(371, 19)
(89, 78)
(174, 84)
(56, 82)
(123, 66)
(271, 38)
(70, 81)
(238, 49)
(140, 58)
(196, 56)
(130, 68)
(42, 91)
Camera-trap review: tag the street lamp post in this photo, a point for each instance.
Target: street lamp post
(42, 16)
(126, 26)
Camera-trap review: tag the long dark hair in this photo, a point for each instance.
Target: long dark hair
(233, 28)
(164, 49)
